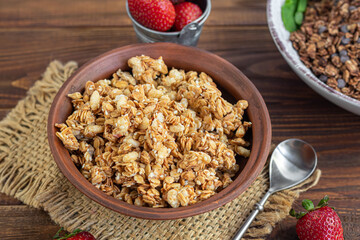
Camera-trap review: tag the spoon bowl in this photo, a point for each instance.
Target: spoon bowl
(291, 163)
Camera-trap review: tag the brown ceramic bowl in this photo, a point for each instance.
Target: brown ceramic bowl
(232, 82)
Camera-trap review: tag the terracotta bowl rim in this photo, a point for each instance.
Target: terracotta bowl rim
(252, 169)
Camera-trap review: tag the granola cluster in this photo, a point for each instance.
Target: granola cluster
(328, 43)
(155, 137)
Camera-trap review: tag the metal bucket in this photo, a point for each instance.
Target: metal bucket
(189, 35)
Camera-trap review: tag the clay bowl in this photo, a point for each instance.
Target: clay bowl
(233, 83)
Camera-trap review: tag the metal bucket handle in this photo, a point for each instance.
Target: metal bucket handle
(190, 29)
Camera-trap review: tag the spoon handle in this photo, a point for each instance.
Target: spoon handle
(259, 207)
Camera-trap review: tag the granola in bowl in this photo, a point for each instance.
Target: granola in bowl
(156, 138)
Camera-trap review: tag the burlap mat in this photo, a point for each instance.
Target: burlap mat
(29, 173)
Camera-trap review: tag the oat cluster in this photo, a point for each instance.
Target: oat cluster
(328, 43)
(155, 137)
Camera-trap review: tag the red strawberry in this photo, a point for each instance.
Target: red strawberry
(82, 236)
(158, 15)
(319, 223)
(186, 12)
(75, 235)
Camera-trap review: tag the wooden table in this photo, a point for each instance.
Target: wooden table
(32, 33)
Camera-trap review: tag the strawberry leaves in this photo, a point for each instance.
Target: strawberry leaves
(309, 206)
(323, 202)
(295, 214)
(58, 237)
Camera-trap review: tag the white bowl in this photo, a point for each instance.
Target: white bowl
(281, 38)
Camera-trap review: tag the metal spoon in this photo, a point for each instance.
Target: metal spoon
(292, 162)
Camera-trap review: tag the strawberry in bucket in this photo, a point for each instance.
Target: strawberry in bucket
(164, 15)
(158, 15)
(186, 13)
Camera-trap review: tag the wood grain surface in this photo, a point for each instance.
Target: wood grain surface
(32, 33)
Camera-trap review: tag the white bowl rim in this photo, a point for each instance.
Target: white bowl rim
(316, 83)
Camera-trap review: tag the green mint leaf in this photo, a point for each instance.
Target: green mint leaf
(292, 5)
(308, 204)
(301, 7)
(288, 19)
(299, 16)
(287, 15)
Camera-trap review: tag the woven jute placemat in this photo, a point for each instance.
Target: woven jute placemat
(29, 173)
